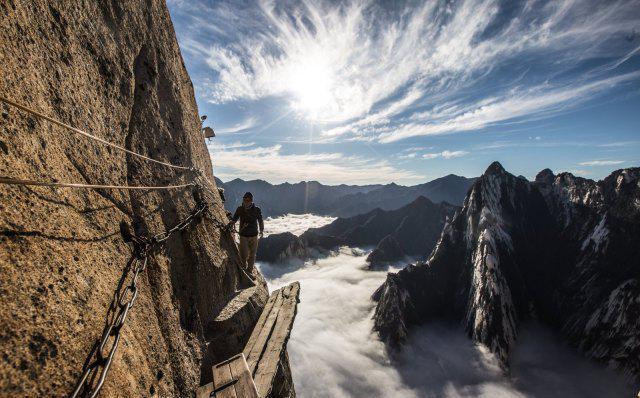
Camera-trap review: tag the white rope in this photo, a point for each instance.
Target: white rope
(15, 181)
(93, 137)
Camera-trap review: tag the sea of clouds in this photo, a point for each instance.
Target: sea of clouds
(294, 223)
(334, 353)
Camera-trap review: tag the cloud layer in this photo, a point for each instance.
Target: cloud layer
(334, 353)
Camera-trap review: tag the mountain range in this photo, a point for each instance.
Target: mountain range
(562, 250)
(408, 232)
(341, 200)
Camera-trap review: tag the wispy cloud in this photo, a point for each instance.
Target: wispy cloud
(579, 172)
(368, 70)
(601, 162)
(411, 155)
(233, 145)
(619, 144)
(244, 125)
(273, 164)
(445, 154)
(517, 104)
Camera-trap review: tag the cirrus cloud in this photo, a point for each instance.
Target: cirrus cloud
(601, 162)
(445, 154)
(387, 73)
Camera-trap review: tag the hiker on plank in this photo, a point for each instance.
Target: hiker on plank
(251, 225)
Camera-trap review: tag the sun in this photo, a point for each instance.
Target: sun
(312, 85)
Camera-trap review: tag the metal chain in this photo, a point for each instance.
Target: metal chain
(160, 238)
(98, 362)
(203, 182)
(96, 367)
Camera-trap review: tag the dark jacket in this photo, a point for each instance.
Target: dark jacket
(250, 220)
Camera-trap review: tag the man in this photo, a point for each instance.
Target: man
(250, 220)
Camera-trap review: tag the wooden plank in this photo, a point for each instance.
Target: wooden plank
(268, 364)
(253, 355)
(251, 373)
(222, 381)
(240, 371)
(262, 335)
(264, 315)
(266, 311)
(204, 391)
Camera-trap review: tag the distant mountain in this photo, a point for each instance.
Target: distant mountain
(278, 248)
(563, 250)
(416, 234)
(341, 200)
(451, 189)
(280, 199)
(414, 230)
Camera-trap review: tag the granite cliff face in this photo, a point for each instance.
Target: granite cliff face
(560, 250)
(112, 68)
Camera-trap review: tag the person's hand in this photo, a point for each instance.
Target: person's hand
(261, 234)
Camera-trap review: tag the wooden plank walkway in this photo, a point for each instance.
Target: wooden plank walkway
(252, 372)
(269, 338)
(231, 379)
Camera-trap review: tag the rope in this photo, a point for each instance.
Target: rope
(98, 362)
(12, 181)
(93, 137)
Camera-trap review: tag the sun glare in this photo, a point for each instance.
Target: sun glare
(311, 83)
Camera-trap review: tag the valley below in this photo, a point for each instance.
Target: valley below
(334, 352)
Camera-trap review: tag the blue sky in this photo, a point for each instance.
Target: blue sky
(374, 92)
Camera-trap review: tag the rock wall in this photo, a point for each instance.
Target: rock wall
(112, 68)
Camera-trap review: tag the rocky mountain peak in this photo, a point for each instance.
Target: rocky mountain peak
(623, 180)
(545, 176)
(421, 201)
(560, 249)
(494, 192)
(495, 168)
(620, 191)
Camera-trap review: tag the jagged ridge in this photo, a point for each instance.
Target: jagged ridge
(410, 231)
(560, 249)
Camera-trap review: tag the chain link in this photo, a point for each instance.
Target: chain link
(160, 238)
(97, 364)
